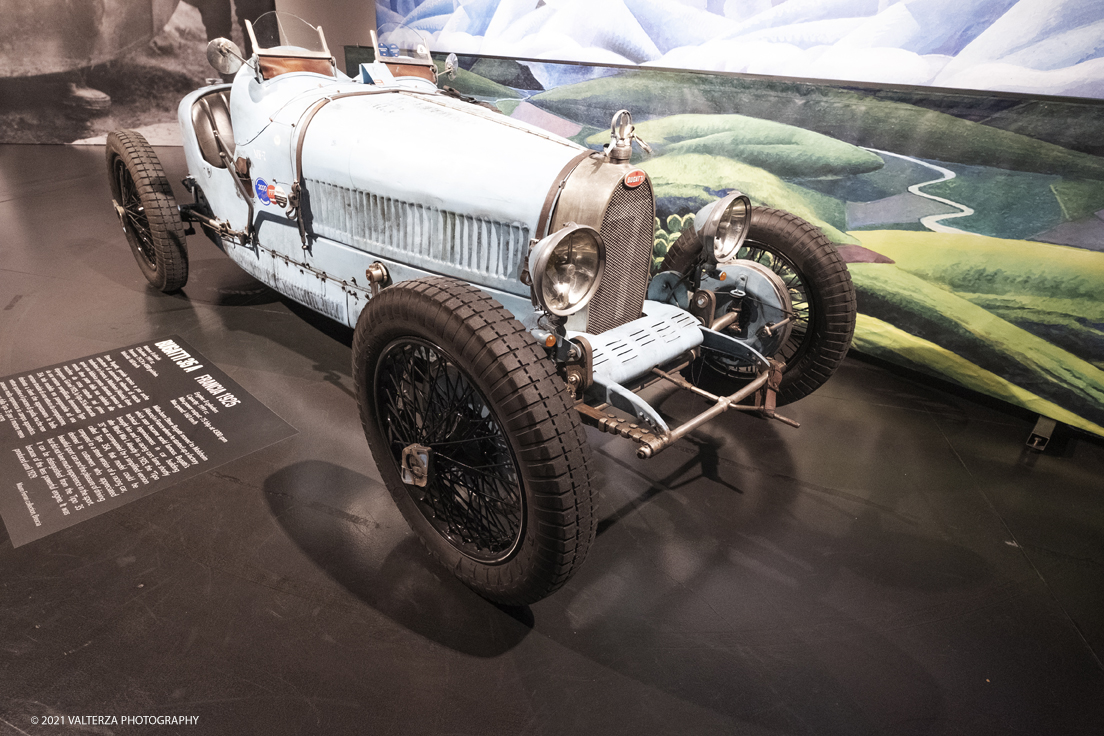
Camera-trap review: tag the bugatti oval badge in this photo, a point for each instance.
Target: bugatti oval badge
(262, 191)
(634, 178)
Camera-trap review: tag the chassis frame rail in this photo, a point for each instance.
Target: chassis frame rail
(764, 386)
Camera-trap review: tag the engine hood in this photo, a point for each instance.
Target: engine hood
(437, 152)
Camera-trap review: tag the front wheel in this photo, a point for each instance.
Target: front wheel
(821, 292)
(148, 210)
(475, 437)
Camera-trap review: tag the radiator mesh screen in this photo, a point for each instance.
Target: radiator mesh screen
(629, 231)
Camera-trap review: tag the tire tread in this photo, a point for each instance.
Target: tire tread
(155, 192)
(530, 400)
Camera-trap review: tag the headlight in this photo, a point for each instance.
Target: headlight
(725, 226)
(566, 268)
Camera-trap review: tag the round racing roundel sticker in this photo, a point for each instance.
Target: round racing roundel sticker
(634, 178)
(262, 191)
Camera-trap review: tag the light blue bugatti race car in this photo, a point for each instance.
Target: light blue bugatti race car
(499, 280)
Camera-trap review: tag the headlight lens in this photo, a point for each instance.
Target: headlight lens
(566, 268)
(726, 226)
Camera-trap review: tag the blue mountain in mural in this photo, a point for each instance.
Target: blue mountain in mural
(1033, 46)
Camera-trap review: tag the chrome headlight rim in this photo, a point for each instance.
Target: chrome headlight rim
(714, 232)
(541, 254)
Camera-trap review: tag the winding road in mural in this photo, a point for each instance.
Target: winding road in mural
(932, 222)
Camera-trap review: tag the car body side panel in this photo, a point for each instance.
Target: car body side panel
(422, 179)
(381, 174)
(437, 152)
(254, 105)
(217, 184)
(352, 229)
(388, 174)
(331, 278)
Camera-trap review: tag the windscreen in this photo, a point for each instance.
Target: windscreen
(403, 44)
(275, 29)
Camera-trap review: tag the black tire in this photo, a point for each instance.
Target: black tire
(820, 288)
(683, 252)
(440, 363)
(150, 217)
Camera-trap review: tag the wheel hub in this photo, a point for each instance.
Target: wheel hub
(415, 463)
(451, 451)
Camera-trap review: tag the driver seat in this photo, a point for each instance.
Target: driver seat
(274, 66)
(211, 113)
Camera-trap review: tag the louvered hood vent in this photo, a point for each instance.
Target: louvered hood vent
(475, 249)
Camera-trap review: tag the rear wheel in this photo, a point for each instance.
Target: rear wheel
(821, 293)
(148, 210)
(475, 437)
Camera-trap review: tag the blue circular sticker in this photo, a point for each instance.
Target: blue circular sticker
(262, 191)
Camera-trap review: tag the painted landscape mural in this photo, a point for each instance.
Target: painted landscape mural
(1053, 47)
(973, 226)
(972, 221)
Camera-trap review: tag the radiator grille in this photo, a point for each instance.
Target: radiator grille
(474, 248)
(629, 232)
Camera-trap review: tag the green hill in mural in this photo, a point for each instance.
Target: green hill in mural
(847, 115)
(473, 84)
(1079, 198)
(784, 150)
(977, 264)
(914, 296)
(507, 72)
(1073, 325)
(695, 179)
(1051, 291)
(1074, 124)
(1006, 204)
(883, 340)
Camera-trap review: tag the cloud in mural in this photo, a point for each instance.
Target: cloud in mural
(941, 27)
(805, 35)
(671, 23)
(791, 12)
(1035, 46)
(1081, 80)
(1037, 34)
(619, 32)
(1062, 50)
(386, 16)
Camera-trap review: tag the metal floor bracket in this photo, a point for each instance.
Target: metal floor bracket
(1041, 434)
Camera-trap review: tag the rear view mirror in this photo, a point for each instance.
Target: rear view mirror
(224, 55)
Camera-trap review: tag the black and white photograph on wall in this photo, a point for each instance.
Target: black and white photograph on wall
(73, 70)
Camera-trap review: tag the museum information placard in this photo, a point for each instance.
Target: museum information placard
(84, 437)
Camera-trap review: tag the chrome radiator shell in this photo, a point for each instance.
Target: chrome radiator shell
(596, 195)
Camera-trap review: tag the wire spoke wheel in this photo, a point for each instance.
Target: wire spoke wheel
(147, 208)
(803, 309)
(821, 293)
(803, 312)
(475, 437)
(136, 222)
(473, 494)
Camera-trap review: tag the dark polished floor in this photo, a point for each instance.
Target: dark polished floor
(897, 566)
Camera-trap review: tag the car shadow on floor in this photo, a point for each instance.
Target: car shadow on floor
(312, 501)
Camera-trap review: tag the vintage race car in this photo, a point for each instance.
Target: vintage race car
(499, 280)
